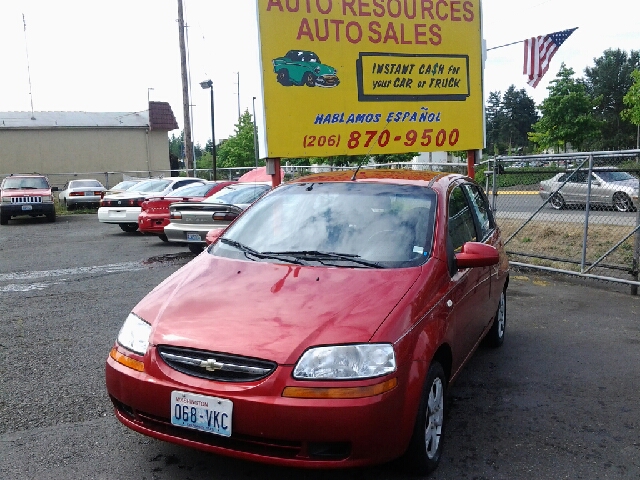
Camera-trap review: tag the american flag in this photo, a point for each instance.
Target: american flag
(538, 52)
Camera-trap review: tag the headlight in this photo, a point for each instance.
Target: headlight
(341, 362)
(6, 199)
(47, 198)
(134, 334)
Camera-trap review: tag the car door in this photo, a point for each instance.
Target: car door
(462, 296)
(487, 298)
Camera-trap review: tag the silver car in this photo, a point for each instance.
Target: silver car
(189, 222)
(609, 188)
(85, 193)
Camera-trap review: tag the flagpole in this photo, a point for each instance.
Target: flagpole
(506, 45)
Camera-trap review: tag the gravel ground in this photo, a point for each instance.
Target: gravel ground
(558, 400)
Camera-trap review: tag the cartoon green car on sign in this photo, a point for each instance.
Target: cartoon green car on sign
(300, 67)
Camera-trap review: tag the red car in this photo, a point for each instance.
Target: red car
(155, 211)
(323, 327)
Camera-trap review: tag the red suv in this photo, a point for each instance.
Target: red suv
(26, 194)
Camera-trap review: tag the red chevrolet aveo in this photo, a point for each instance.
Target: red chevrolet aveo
(321, 328)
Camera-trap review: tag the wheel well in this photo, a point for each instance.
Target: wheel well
(445, 358)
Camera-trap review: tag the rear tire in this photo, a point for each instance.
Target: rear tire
(128, 227)
(425, 447)
(196, 248)
(495, 337)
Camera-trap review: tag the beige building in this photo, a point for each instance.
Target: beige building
(67, 145)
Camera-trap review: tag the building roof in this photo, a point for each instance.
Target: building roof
(162, 118)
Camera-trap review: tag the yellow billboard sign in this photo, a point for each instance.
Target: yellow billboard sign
(354, 77)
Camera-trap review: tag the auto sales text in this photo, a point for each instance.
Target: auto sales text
(406, 28)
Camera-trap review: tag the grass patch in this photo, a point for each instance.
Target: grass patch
(564, 241)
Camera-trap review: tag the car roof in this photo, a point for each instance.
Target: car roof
(381, 175)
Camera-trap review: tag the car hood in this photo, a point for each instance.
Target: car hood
(267, 310)
(25, 192)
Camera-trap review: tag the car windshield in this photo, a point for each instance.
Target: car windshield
(194, 190)
(615, 176)
(341, 224)
(238, 194)
(125, 185)
(84, 183)
(25, 183)
(152, 186)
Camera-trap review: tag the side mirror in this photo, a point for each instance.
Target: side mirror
(213, 235)
(475, 254)
(54, 189)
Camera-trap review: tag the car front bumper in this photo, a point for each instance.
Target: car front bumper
(20, 209)
(266, 426)
(119, 214)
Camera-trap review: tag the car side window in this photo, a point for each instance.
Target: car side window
(481, 210)
(462, 227)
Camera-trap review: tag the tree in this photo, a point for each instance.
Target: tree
(239, 149)
(509, 119)
(494, 119)
(176, 145)
(567, 114)
(632, 101)
(609, 79)
(519, 114)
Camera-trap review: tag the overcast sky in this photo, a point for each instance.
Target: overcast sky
(105, 56)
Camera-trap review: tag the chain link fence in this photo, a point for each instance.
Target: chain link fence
(571, 213)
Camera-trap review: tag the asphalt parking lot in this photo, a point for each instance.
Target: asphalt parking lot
(558, 400)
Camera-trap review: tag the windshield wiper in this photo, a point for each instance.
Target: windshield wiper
(320, 256)
(250, 251)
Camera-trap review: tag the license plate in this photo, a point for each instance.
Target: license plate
(117, 214)
(200, 412)
(193, 237)
(27, 207)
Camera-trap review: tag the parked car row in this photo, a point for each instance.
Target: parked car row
(179, 209)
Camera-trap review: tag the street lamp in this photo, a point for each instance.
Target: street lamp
(255, 132)
(149, 94)
(209, 84)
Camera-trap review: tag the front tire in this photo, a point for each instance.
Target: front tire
(163, 237)
(495, 337)
(4, 219)
(128, 227)
(309, 79)
(425, 447)
(622, 202)
(51, 217)
(557, 202)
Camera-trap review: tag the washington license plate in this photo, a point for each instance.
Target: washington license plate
(193, 237)
(27, 207)
(200, 412)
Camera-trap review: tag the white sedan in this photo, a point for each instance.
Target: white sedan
(86, 193)
(123, 208)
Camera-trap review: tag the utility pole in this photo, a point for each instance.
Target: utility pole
(238, 73)
(186, 105)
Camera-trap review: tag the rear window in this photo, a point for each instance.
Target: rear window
(84, 184)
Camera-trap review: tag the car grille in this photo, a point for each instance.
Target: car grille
(26, 199)
(215, 366)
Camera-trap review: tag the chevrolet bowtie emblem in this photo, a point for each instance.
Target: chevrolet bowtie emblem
(211, 365)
